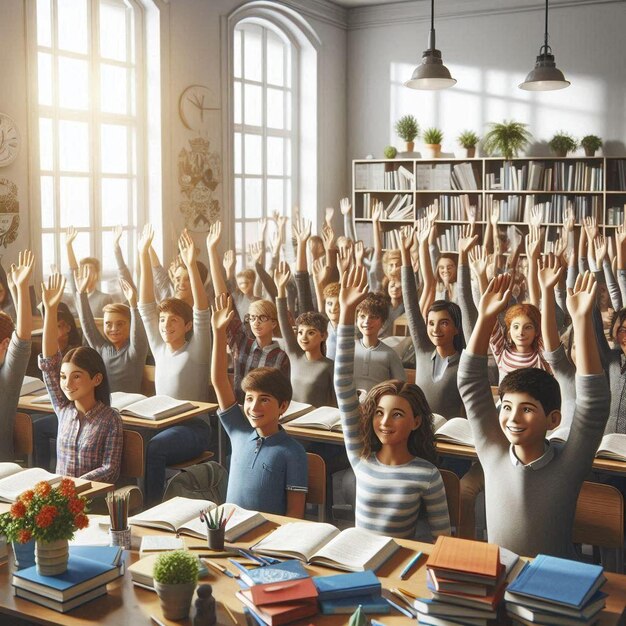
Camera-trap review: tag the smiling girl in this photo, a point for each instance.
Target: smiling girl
(89, 439)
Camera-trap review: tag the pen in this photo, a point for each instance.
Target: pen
(252, 557)
(400, 608)
(375, 622)
(219, 568)
(158, 622)
(406, 592)
(410, 564)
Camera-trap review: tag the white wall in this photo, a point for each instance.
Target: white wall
(489, 53)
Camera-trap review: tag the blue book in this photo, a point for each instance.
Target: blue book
(279, 572)
(558, 581)
(347, 585)
(346, 606)
(81, 576)
(110, 555)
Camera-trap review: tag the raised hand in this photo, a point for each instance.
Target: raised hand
(344, 258)
(344, 206)
(70, 235)
(432, 213)
(302, 230)
(256, 251)
(229, 262)
(52, 293)
(581, 298)
(117, 235)
(359, 252)
(559, 245)
(494, 214)
(277, 242)
(591, 227)
(478, 260)
(328, 236)
(533, 242)
(145, 240)
(467, 239)
(377, 212)
(600, 245)
(536, 216)
(328, 216)
(282, 274)
(214, 234)
(406, 236)
(568, 220)
(496, 297)
(353, 288)
(549, 271)
(82, 277)
(20, 274)
(470, 213)
(422, 229)
(320, 271)
(187, 249)
(130, 293)
(221, 313)
(262, 228)
(620, 235)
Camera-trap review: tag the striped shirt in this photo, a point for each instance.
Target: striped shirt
(508, 359)
(89, 447)
(388, 497)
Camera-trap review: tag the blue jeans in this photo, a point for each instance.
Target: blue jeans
(173, 445)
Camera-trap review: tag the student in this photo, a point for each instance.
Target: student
(311, 371)
(89, 438)
(268, 469)
(331, 308)
(389, 439)
(6, 299)
(182, 365)
(124, 346)
(392, 286)
(240, 285)
(531, 485)
(68, 335)
(14, 351)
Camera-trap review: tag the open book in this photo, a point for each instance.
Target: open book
(295, 409)
(149, 408)
(31, 385)
(353, 549)
(456, 430)
(612, 446)
(14, 480)
(182, 515)
(323, 418)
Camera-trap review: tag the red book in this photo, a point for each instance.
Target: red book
(301, 590)
(280, 613)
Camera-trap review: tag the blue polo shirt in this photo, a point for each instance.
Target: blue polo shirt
(262, 469)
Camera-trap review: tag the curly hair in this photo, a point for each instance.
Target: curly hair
(421, 442)
(375, 303)
(314, 319)
(531, 312)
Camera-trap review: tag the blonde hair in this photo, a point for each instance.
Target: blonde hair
(119, 308)
(265, 307)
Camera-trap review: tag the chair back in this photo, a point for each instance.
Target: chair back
(133, 462)
(23, 434)
(147, 381)
(316, 493)
(452, 485)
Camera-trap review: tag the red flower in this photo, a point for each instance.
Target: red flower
(81, 521)
(27, 496)
(67, 487)
(24, 536)
(46, 516)
(76, 506)
(42, 489)
(18, 509)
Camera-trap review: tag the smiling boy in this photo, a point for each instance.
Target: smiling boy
(531, 485)
(268, 469)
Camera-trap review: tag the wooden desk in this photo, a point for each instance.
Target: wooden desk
(127, 604)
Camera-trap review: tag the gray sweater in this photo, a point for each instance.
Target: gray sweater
(375, 365)
(530, 508)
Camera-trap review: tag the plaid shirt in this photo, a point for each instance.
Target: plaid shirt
(90, 447)
(248, 355)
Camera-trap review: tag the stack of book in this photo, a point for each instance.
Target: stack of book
(556, 591)
(89, 569)
(342, 594)
(467, 580)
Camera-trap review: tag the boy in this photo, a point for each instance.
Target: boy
(531, 486)
(268, 469)
(331, 307)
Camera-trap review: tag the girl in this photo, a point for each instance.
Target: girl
(446, 278)
(393, 287)
(89, 440)
(68, 336)
(389, 439)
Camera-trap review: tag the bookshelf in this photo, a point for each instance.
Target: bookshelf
(592, 186)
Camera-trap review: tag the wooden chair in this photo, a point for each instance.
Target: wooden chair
(599, 520)
(23, 437)
(147, 381)
(410, 376)
(316, 493)
(452, 485)
(401, 326)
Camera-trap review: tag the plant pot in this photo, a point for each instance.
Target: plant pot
(470, 153)
(175, 599)
(432, 150)
(24, 554)
(410, 146)
(589, 153)
(51, 557)
(560, 153)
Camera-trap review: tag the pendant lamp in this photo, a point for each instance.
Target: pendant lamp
(546, 76)
(431, 73)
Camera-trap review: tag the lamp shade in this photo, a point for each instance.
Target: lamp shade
(546, 76)
(431, 73)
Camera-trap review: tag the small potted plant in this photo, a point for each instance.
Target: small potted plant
(506, 138)
(390, 152)
(591, 144)
(408, 129)
(50, 516)
(468, 140)
(175, 576)
(562, 143)
(432, 138)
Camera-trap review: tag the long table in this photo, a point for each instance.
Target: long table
(127, 604)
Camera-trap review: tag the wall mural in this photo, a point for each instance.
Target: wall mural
(9, 212)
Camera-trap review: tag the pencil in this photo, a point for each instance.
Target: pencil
(230, 613)
(410, 564)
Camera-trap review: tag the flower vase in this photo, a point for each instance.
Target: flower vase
(24, 554)
(51, 557)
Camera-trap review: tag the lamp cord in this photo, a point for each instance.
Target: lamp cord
(546, 47)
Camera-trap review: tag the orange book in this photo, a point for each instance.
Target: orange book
(465, 560)
(300, 590)
(282, 613)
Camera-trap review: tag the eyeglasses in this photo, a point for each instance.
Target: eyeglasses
(253, 318)
(620, 331)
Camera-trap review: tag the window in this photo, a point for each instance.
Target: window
(90, 136)
(264, 122)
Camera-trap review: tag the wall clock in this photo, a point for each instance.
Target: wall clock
(194, 105)
(9, 140)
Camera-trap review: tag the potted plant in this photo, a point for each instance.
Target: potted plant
(390, 152)
(506, 138)
(408, 129)
(175, 576)
(591, 144)
(432, 138)
(562, 143)
(468, 140)
(50, 517)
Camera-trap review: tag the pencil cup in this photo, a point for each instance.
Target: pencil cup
(120, 538)
(216, 538)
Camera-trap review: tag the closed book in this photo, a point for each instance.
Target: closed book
(346, 585)
(463, 559)
(595, 604)
(429, 606)
(287, 570)
(535, 616)
(371, 605)
(110, 555)
(558, 581)
(61, 607)
(436, 620)
(283, 592)
(463, 599)
(81, 576)
(277, 614)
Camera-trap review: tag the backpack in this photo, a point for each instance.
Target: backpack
(204, 481)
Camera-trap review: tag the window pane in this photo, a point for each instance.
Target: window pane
(288, 111)
(113, 31)
(275, 108)
(44, 78)
(73, 146)
(73, 26)
(108, 257)
(74, 201)
(47, 202)
(237, 153)
(253, 104)
(44, 26)
(238, 236)
(251, 234)
(275, 155)
(288, 156)
(252, 153)
(252, 53)
(114, 201)
(114, 153)
(237, 102)
(253, 197)
(275, 59)
(275, 195)
(45, 143)
(113, 82)
(47, 252)
(73, 84)
(238, 199)
(237, 53)
(82, 248)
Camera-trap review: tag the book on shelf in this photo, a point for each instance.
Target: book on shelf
(295, 409)
(436, 176)
(31, 386)
(182, 515)
(353, 549)
(322, 418)
(463, 176)
(149, 408)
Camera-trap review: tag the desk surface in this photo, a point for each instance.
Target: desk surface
(26, 404)
(127, 604)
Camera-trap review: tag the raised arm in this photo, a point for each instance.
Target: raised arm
(20, 276)
(50, 297)
(428, 289)
(189, 253)
(620, 246)
(146, 282)
(82, 278)
(348, 219)
(580, 302)
(302, 233)
(469, 313)
(122, 269)
(212, 241)
(222, 314)
(549, 273)
(282, 276)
